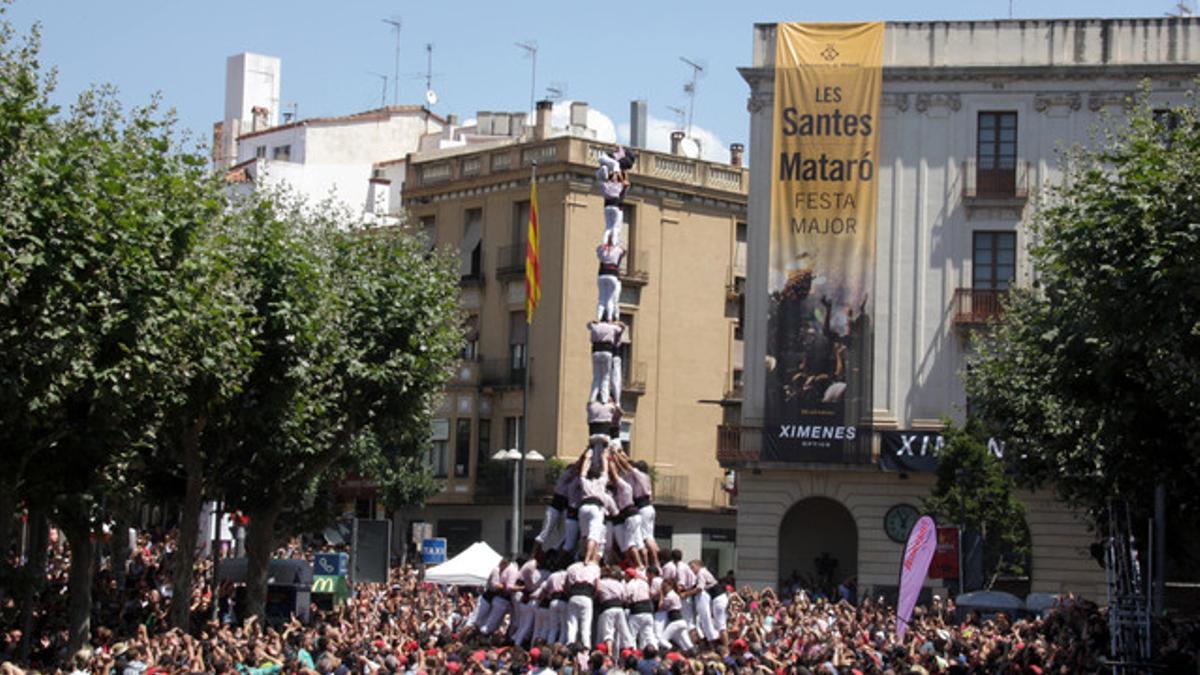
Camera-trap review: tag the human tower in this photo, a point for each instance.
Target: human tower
(594, 577)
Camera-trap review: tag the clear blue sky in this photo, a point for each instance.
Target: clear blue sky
(607, 52)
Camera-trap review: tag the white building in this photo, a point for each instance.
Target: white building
(974, 114)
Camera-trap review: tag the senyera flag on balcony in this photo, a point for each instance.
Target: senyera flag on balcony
(828, 84)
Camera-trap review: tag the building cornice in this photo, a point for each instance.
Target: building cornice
(1065, 73)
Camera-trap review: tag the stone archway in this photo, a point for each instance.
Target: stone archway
(818, 540)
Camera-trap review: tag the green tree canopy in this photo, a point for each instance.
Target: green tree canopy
(1093, 375)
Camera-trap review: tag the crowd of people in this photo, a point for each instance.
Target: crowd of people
(411, 627)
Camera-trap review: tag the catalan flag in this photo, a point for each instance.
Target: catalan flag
(533, 264)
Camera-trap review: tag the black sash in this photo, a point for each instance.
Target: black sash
(594, 501)
(558, 501)
(610, 604)
(572, 513)
(716, 591)
(674, 615)
(641, 502)
(610, 270)
(582, 589)
(642, 607)
(604, 347)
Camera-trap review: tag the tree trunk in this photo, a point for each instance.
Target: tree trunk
(260, 542)
(189, 527)
(79, 583)
(34, 575)
(8, 508)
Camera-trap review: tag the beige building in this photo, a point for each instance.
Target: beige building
(685, 236)
(974, 114)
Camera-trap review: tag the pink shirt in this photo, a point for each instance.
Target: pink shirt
(705, 580)
(610, 255)
(510, 576)
(607, 333)
(669, 571)
(579, 573)
(622, 494)
(640, 483)
(610, 506)
(610, 589)
(685, 576)
(562, 485)
(557, 582)
(575, 492)
(656, 587)
(529, 573)
(598, 412)
(493, 580)
(637, 590)
(671, 602)
(594, 488)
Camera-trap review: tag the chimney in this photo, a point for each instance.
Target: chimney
(541, 127)
(483, 123)
(579, 111)
(637, 124)
(736, 151)
(677, 142)
(516, 124)
(450, 126)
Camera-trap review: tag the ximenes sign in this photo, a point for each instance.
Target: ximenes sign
(828, 84)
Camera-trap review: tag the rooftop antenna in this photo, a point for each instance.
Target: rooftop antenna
(556, 91)
(680, 114)
(690, 90)
(430, 96)
(395, 23)
(1010, 8)
(531, 50)
(293, 114)
(1182, 8)
(383, 94)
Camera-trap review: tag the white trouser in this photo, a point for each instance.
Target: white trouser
(552, 528)
(614, 378)
(704, 617)
(612, 225)
(571, 538)
(479, 617)
(660, 629)
(525, 614)
(608, 166)
(629, 534)
(642, 627)
(591, 522)
(689, 611)
(647, 516)
(500, 607)
(602, 363)
(720, 612)
(541, 621)
(579, 620)
(612, 626)
(610, 295)
(557, 630)
(676, 633)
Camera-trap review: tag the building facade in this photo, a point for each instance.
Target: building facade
(974, 117)
(685, 238)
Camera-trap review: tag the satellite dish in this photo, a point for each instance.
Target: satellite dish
(690, 148)
(431, 97)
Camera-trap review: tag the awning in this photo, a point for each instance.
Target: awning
(469, 568)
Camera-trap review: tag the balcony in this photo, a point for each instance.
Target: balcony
(500, 373)
(475, 277)
(511, 262)
(671, 489)
(635, 269)
(977, 306)
(633, 379)
(996, 188)
(738, 444)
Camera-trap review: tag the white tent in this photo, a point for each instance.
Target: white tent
(469, 568)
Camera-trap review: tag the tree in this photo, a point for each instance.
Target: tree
(973, 489)
(1093, 375)
(357, 331)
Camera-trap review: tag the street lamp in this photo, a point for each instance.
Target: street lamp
(519, 460)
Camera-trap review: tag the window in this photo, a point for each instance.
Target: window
(470, 350)
(462, 448)
(994, 260)
(483, 440)
(260, 151)
(741, 237)
(738, 330)
(628, 236)
(512, 431)
(517, 328)
(626, 348)
(282, 152)
(996, 154)
(435, 458)
(520, 223)
(428, 226)
(472, 244)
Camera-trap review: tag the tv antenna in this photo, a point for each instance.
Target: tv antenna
(430, 96)
(1182, 8)
(293, 114)
(531, 50)
(382, 95)
(556, 91)
(690, 89)
(680, 114)
(395, 23)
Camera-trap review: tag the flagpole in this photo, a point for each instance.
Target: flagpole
(523, 437)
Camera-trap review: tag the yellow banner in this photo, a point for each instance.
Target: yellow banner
(828, 86)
